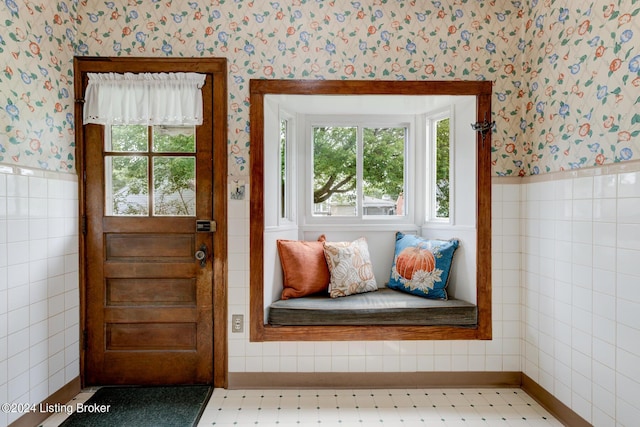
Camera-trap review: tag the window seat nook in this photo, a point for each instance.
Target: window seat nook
(382, 307)
(361, 193)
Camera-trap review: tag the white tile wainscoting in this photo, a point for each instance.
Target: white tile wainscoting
(39, 293)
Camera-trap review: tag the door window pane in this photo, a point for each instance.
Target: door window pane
(127, 138)
(334, 171)
(383, 171)
(174, 186)
(126, 184)
(174, 139)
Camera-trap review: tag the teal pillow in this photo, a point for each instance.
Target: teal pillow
(421, 266)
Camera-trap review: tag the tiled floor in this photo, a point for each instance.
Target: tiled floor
(390, 407)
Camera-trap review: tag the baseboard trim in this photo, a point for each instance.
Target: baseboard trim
(558, 409)
(341, 380)
(64, 395)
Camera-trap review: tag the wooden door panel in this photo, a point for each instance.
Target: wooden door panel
(150, 292)
(128, 270)
(151, 336)
(149, 247)
(173, 365)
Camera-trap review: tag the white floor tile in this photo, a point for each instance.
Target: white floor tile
(386, 407)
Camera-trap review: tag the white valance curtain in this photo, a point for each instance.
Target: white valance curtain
(144, 99)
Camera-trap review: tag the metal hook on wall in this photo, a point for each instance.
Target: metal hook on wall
(483, 127)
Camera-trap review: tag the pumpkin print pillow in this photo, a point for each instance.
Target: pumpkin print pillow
(422, 266)
(350, 268)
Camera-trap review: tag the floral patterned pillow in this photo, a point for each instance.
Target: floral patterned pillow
(350, 268)
(421, 266)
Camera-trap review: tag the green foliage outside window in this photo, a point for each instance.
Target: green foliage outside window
(173, 176)
(442, 168)
(335, 163)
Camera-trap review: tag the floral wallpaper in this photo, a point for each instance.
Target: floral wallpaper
(566, 76)
(582, 68)
(36, 84)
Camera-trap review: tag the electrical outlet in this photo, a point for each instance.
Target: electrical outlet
(237, 323)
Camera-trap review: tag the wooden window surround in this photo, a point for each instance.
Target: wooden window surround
(259, 331)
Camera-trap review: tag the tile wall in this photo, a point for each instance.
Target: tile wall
(39, 300)
(500, 354)
(581, 290)
(566, 298)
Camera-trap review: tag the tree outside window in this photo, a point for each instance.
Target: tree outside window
(338, 155)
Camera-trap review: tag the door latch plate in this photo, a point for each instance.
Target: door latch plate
(205, 226)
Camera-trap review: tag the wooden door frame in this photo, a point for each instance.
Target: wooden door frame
(217, 67)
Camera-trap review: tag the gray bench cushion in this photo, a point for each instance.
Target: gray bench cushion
(383, 307)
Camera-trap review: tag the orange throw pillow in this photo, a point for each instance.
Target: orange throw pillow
(304, 266)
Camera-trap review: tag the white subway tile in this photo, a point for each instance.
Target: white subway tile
(603, 329)
(628, 287)
(628, 339)
(564, 189)
(17, 207)
(38, 208)
(629, 313)
(18, 364)
(629, 236)
(628, 364)
(628, 389)
(605, 210)
(582, 254)
(627, 413)
(604, 258)
(605, 186)
(629, 184)
(628, 210)
(18, 387)
(627, 262)
(17, 320)
(583, 188)
(604, 280)
(582, 209)
(18, 342)
(581, 385)
(604, 233)
(18, 297)
(17, 185)
(38, 336)
(604, 377)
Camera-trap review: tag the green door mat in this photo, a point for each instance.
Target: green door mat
(179, 406)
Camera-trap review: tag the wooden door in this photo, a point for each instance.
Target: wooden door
(152, 271)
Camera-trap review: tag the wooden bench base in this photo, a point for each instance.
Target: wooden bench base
(383, 307)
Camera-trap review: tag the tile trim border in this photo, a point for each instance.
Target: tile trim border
(610, 169)
(8, 169)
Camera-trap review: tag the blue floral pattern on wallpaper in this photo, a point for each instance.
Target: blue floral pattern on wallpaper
(566, 76)
(583, 85)
(36, 84)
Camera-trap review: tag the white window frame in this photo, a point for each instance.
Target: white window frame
(431, 167)
(289, 216)
(305, 175)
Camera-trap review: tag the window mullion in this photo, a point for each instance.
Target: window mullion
(150, 173)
